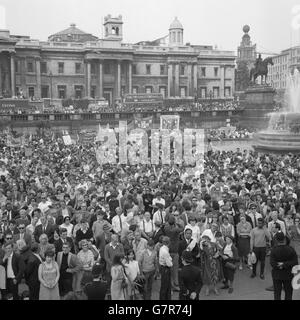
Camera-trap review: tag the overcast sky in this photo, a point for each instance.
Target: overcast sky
(212, 22)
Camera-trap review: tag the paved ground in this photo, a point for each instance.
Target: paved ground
(245, 288)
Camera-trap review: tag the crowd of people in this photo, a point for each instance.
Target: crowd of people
(72, 229)
(227, 134)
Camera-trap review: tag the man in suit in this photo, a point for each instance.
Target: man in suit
(189, 244)
(15, 267)
(44, 227)
(31, 272)
(12, 228)
(68, 264)
(11, 212)
(253, 215)
(62, 240)
(158, 232)
(23, 235)
(283, 258)
(190, 281)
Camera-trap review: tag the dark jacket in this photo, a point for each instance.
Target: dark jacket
(189, 281)
(173, 232)
(96, 290)
(157, 235)
(182, 246)
(31, 270)
(58, 244)
(287, 255)
(49, 232)
(18, 266)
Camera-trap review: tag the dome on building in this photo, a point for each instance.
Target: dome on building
(176, 24)
(72, 34)
(246, 28)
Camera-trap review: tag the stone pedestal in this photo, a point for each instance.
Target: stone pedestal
(258, 102)
(260, 97)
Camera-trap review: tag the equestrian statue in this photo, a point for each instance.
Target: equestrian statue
(260, 69)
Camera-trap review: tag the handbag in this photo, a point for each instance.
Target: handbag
(230, 265)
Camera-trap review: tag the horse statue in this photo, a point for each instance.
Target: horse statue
(261, 69)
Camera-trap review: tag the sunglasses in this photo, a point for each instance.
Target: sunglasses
(21, 228)
(9, 238)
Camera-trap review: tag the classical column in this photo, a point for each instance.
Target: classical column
(38, 77)
(12, 75)
(169, 79)
(88, 89)
(118, 79)
(101, 79)
(177, 93)
(195, 79)
(130, 77)
(189, 82)
(222, 84)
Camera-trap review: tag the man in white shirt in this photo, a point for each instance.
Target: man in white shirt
(272, 224)
(160, 214)
(44, 204)
(117, 221)
(158, 199)
(147, 224)
(165, 265)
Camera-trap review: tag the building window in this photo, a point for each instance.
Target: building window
(135, 90)
(148, 90)
(30, 66)
(43, 67)
(134, 69)
(61, 66)
(93, 68)
(62, 90)
(107, 68)
(216, 92)
(31, 92)
(203, 92)
(182, 70)
(16, 66)
(78, 92)
(182, 92)
(78, 66)
(93, 92)
(162, 90)
(148, 68)
(162, 69)
(216, 71)
(227, 92)
(203, 72)
(45, 92)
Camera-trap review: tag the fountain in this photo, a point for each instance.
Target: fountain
(283, 132)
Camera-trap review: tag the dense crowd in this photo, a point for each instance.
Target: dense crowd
(71, 229)
(227, 134)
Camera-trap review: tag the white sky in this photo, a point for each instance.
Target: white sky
(212, 22)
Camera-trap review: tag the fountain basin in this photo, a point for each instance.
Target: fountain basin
(276, 142)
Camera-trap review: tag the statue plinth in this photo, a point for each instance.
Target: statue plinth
(260, 96)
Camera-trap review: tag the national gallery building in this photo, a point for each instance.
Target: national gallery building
(75, 64)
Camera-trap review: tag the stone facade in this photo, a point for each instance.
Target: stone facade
(81, 65)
